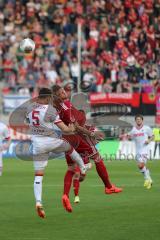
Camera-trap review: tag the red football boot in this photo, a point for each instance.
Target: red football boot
(66, 203)
(113, 189)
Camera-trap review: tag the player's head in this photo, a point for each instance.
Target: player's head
(139, 119)
(59, 92)
(45, 95)
(82, 111)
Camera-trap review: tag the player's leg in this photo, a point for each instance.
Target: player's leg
(64, 146)
(103, 174)
(75, 156)
(141, 162)
(67, 186)
(68, 178)
(72, 169)
(78, 177)
(87, 148)
(38, 193)
(40, 162)
(76, 185)
(155, 149)
(1, 164)
(81, 147)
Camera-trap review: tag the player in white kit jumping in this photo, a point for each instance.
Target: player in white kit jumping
(4, 135)
(42, 118)
(142, 135)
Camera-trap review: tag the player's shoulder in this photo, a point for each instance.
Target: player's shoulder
(146, 127)
(133, 129)
(31, 106)
(67, 103)
(51, 110)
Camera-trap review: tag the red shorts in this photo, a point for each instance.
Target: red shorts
(82, 146)
(70, 161)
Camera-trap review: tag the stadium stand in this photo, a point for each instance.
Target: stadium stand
(120, 44)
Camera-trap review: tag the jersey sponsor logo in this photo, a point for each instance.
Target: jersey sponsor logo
(138, 134)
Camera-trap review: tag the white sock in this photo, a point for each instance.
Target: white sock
(77, 158)
(146, 173)
(38, 188)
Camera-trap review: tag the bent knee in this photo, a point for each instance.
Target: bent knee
(141, 165)
(71, 167)
(76, 175)
(96, 158)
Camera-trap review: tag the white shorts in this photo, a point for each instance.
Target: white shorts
(142, 157)
(42, 146)
(40, 161)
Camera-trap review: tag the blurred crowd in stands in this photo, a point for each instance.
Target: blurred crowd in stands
(120, 45)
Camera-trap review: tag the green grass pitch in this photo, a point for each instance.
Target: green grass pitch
(131, 215)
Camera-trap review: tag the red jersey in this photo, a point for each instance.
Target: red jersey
(69, 114)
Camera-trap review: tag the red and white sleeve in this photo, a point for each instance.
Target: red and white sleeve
(57, 120)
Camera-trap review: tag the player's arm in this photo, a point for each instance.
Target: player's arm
(61, 125)
(7, 138)
(128, 135)
(84, 130)
(150, 136)
(64, 128)
(150, 139)
(125, 135)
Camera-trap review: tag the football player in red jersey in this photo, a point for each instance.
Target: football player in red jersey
(69, 114)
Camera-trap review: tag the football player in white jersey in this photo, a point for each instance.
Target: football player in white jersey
(142, 135)
(42, 118)
(4, 135)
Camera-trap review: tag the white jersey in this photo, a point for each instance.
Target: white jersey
(4, 132)
(42, 119)
(140, 135)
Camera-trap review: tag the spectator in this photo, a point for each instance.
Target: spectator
(119, 39)
(124, 87)
(51, 75)
(64, 71)
(74, 69)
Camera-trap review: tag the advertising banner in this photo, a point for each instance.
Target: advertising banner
(10, 102)
(119, 98)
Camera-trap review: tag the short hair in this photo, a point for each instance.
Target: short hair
(44, 92)
(81, 110)
(139, 116)
(55, 88)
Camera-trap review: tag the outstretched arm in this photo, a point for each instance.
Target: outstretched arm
(84, 130)
(65, 128)
(150, 139)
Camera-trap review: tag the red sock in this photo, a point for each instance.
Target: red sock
(76, 186)
(102, 172)
(67, 182)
